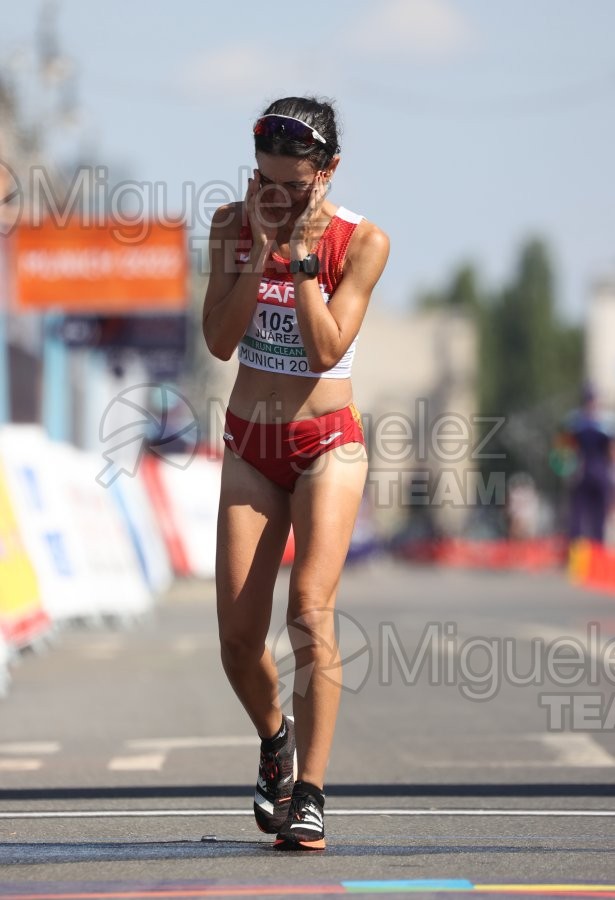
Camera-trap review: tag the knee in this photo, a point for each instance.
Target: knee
(239, 647)
(311, 627)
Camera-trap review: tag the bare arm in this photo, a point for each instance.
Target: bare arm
(329, 329)
(232, 291)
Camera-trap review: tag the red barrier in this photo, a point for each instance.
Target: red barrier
(530, 555)
(289, 550)
(164, 515)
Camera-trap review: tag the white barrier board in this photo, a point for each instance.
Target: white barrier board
(72, 529)
(132, 498)
(34, 481)
(107, 554)
(5, 676)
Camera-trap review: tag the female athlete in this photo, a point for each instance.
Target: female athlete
(291, 277)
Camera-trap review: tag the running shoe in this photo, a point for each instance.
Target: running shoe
(304, 828)
(276, 777)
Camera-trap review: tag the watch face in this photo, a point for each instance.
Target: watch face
(311, 264)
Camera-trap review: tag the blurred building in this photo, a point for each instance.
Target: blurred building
(21, 334)
(415, 382)
(600, 342)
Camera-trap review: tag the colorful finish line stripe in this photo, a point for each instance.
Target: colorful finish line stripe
(137, 891)
(382, 887)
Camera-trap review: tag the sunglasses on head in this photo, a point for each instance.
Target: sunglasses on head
(273, 125)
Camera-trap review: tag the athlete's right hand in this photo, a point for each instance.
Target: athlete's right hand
(263, 230)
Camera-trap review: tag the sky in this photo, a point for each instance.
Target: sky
(469, 126)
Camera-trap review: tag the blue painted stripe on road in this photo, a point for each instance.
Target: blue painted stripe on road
(420, 884)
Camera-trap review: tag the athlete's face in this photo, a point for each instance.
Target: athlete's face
(286, 183)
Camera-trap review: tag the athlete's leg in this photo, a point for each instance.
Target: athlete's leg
(253, 525)
(324, 507)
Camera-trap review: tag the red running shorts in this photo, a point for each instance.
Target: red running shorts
(283, 450)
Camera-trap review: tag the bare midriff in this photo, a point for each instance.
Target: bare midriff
(272, 397)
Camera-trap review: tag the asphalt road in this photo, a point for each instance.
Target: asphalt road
(464, 758)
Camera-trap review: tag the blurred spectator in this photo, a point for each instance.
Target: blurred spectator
(587, 452)
(523, 507)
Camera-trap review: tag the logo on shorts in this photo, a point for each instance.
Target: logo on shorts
(228, 437)
(331, 437)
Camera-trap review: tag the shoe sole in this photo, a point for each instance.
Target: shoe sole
(309, 846)
(271, 829)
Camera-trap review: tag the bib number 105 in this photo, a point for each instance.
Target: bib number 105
(276, 322)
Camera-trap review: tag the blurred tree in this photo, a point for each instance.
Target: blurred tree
(525, 331)
(531, 362)
(535, 364)
(432, 300)
(462, 293)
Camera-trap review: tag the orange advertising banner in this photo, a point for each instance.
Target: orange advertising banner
(100, 268)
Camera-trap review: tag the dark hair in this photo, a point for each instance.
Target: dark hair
(317, 113)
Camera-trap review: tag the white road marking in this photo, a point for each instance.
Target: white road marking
(20, 765)
(30, 747)
(565, 748)
(97, 654)
(102, 649)
(161, 813)
(556, 749)
(187, 644)
(192, 743)
(576, 749)
(152, 762)
(548, 634)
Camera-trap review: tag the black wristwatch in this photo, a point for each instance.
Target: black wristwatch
(310, 265)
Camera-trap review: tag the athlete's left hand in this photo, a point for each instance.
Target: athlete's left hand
(309, 225)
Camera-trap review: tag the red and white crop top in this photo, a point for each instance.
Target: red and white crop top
(272, 341)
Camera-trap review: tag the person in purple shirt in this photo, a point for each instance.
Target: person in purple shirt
(591, 481)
